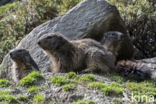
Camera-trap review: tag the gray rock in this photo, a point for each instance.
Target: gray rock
(88, 19)
(3, 2)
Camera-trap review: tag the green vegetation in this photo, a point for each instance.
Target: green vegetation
(84, 102)
(4, 83)
(23, 98)
(97, 85)
(144, 88)
(59, 80)
(139, 16)
(7, 98)
(113, 90)
(31, 79)
(117, 100)
(18, 19)
(116, 77)
(87, 78)
(38, 99)
(68, 87)
(34, 89)
(71, 75)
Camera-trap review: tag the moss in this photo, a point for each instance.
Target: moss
(87, 78)
(71, 75)
(84, 102)
(31, 79)
(68, 87)
(4, 83)
(113, 90)
(59, 80)
(34, 89)
(97, 85)
(38, 99)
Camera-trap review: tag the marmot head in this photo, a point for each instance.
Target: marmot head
(19, 55)
(112, 41)
(52, 42)
(22, 56)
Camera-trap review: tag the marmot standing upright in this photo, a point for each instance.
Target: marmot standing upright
(76, 55)
(23, 64)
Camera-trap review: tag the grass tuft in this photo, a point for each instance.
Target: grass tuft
(38, 99)
(31, 79)
(59, 80)
(68, 87)
(4, 83)
(87, 78)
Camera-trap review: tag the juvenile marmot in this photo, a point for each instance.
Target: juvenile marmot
(76, 55)
(23, 64)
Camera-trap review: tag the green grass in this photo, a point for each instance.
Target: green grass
(68, 87)
(87, 78)
(31, 79)
(143, 88)
(7, 98)
(113, 90)
(84, 102)
(97, 85)
(23, 98)
(59, 80)
(71, 75)
(115, 77)
(4, 83)
(38, 99)
(34, 89)
(117, 100)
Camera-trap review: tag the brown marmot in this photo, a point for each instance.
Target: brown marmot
(122, 45)
(76, 55)
(23, 64)
(112, 41)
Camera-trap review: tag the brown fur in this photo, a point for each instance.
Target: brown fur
(23, 64)
(76, 55)
(134, 69)
(119, 44)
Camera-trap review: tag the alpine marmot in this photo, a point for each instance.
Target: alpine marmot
(23, 64)
(76, 55)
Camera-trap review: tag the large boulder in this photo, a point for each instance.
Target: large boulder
(88, 19)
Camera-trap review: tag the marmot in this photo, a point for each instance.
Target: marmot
(124, 48)
(112, 41)
(76, 55)
(23, 64)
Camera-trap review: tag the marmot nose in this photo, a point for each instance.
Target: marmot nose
(38, 42)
